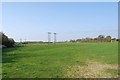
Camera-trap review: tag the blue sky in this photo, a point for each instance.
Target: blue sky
(70, 20)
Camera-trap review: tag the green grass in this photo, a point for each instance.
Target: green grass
(112, 71)
(51, 60)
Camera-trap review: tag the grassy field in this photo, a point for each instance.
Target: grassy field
(61, 60)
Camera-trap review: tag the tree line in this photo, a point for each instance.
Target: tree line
(100, 38)
(9, 42)
(5, 41)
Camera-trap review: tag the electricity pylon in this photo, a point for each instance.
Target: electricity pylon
(55, 37)
(49, 36)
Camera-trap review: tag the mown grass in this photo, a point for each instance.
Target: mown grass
(51, 60)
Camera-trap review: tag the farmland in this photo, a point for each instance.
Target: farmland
(61, 60)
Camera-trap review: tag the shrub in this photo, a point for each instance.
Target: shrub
(4, 40)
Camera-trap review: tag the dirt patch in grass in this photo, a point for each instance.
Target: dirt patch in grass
(92, 70)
